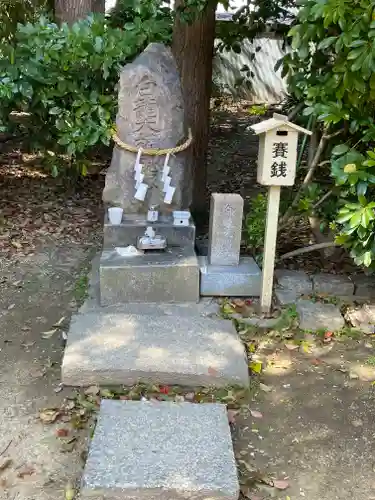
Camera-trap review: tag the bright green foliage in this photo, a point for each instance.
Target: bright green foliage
(125, 11)
(332, 69)
(66, 78)
(255, 223)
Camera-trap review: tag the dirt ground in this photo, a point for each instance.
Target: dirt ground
(48, 233)
(317, 427)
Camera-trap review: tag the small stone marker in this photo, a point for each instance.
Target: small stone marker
(276, 167)
(225, 229)
(161, 451)
(223, 272)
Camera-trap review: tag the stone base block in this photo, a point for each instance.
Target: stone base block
(116, 349)
(160, 451)
(243, 280)
(170, 276)
(133, 226)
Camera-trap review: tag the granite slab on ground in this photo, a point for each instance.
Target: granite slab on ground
(317, 315)
(161, 451)
(317, 430)
(111, 349)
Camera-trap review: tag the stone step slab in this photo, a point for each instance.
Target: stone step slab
(123, 349)
(314, 316)
(160, 451)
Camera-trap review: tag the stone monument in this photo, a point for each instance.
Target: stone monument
(149, 179)
(150, 115)
(224, 272)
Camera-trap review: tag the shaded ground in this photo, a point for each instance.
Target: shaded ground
(48, 231)
(317, 428)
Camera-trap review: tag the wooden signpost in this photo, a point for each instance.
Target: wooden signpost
(277, 158)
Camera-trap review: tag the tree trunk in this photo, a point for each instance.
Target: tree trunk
(193, 47)
(70, 11)
(98, 6)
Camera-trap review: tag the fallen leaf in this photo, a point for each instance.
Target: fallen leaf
(256, 414)
(12, 306)
(290, 346)
(212, 371)
(305, 347)
(232, 416)
(48, 334)
(247, 493)
(251, 346)
(106, 393)
(239, 302)
(69, 492)
(16, 244)
(317, 362)
(26, 471)
(69, 405)
(93, 390)
(328, 336)
(58, 323)
(281, 484)
(5, 462)
(62, 432)
(265, 388)
(58, 389)
(246, 465)
(49, 415)
(255, 366)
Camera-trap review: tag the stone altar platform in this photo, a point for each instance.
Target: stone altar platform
(166, 276)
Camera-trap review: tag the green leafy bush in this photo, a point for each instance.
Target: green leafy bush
(125, 11)
(255, 223)
(65, 79)
(332, 70)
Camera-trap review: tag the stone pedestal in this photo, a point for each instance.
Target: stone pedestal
(166, 276)
(223, 272)
(242, 280)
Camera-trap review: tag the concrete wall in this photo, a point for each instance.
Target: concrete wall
(266, 86)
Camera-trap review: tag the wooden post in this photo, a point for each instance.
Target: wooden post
(269, 248)
(277, 157)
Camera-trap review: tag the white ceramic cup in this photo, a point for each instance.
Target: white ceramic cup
(115, 215)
